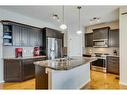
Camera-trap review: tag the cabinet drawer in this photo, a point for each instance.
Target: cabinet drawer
(113, 62)
(39, 59)
(113, 58)
(28, 60)
(113, 69)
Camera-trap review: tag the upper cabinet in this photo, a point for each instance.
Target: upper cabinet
(101, 33)
(53, 33)
(22, 35)
(35, 36)
(89, 40)
(16, 35)
(102, 36)
(7, 35)
(114, 38)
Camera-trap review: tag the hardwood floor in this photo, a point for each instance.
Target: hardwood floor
(99, 80)
(28, 85)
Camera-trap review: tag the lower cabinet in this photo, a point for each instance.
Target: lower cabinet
(19, 69)
(28, 69)
(113, 65)
(12, 70)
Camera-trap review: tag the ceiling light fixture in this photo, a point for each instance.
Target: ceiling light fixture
(56, 17)
(94, 20)
(79, 26)
(63, 26)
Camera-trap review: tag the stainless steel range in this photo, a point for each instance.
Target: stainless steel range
(100, 64)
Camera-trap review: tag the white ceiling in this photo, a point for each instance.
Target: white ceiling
(106, 13)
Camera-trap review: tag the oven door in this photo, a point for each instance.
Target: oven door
(99, 63)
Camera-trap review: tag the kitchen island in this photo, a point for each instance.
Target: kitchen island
(63, 73)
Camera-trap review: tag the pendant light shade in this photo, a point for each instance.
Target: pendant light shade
(79, 30)
(63, 26)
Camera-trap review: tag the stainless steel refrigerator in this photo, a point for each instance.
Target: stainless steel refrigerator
(54, 48)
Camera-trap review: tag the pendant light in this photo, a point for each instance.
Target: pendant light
(79, 26)
(63, 26)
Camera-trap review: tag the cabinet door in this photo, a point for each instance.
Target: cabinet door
(12, 70)
(113, 65)
(31, 37)
(101, 33)
(16, 35)
(28, 69)
(89, 40)
(40, 38)
(114, 38)
(24, 36)
(35, 36)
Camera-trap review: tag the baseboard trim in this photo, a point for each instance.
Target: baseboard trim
(122, 83)
(85, 83)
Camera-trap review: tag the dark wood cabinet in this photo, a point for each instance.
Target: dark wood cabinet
(101, 33)
(22, 35)
(41, 77)
(114, 38)
(28, 69)
(12, 70)
(89, 40)
(53, 33)
(113, 65)
(19, 69)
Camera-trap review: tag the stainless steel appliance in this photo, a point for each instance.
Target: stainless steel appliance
(100, 64)
(100, 43)
(54, 48)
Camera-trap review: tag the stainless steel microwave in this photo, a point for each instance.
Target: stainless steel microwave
(100, 43)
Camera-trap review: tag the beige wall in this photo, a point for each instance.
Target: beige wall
(88, 29)
(123, 46)
(112, 25)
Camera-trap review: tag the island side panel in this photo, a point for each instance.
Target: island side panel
(74, 78)
(41, 77)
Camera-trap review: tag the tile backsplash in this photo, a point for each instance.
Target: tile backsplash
(90, 50)
(9, 51)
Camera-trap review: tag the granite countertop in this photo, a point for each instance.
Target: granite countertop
(64, 64)
(27, 57)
